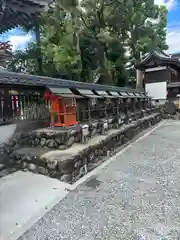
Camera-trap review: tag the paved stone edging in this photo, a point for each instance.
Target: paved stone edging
(69, 168)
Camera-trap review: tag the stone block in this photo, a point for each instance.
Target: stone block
(85, 133)
(42, 170)
(31, 167)
(2, 166)
(70, 142)
(51, 143)
(43, 142)
(66, 178)
(52, 163)
(66, 165)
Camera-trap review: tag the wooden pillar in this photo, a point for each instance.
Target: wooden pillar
(7, 105)
(14, 104)
(22, 106)
(125, 110)
(139, 79)
(106, 115)
(1, 104)
(89, 110)
(117, 106)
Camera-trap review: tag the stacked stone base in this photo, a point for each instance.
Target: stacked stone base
(71, 164)
(54, 138)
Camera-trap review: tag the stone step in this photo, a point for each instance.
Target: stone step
(70, 164)
(54, 162)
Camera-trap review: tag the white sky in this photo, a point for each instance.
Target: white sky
(173, 31)
(19, 41)
(170, 4)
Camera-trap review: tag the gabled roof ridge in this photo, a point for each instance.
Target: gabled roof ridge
(161, 55)
(158, 52)
(162, 52)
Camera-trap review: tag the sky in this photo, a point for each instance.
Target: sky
(19, 39)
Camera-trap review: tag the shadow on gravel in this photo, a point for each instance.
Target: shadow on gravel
(93, 183)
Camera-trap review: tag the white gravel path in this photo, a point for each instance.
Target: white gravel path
(136, 197)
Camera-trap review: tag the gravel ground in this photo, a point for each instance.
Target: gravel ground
(136, 197)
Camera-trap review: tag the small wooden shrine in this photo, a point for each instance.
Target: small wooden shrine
(62, 106)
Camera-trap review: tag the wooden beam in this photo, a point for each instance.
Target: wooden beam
(24, 8)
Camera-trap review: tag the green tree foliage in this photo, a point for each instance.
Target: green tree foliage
(25, 61)
(58, 43)
(94, 40)
(146, 28)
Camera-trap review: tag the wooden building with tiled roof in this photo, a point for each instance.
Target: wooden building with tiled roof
(161, 74)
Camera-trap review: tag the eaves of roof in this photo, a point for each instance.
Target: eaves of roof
(22, 12)
(165, 58)
(42, 81)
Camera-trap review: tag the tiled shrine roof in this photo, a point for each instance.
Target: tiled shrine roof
(160, 57)
(12, 78)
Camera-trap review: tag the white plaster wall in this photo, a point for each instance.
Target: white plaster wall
(158, 90)
(6, 132)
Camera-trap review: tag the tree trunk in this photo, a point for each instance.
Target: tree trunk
(76, 43)
(39, 53)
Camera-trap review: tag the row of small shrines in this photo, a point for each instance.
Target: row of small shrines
(64, 108)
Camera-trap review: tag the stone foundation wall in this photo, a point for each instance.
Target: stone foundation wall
(56, 138)
(18, 139)
(69, 168)
(27, 134)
